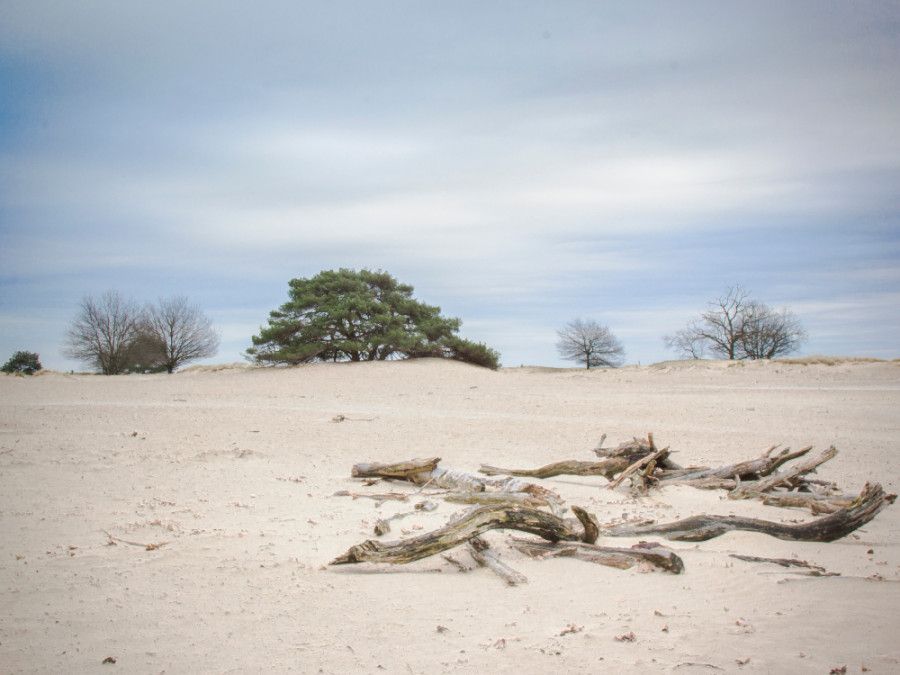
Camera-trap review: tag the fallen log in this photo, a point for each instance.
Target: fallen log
(472, 523)
(826, 528)
(622, 558)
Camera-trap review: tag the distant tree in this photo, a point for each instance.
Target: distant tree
(172, 333)
(736, 327)
(360, 316)
(589, 343)
(767, 333)
(22, 362)
(102, 332)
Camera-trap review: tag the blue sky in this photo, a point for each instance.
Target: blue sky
(520, 163)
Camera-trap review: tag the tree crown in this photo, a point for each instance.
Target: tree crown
(734, 326)
(587, 342)
(359, 316)
(22, 362)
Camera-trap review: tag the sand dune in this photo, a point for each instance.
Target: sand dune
(228, 476)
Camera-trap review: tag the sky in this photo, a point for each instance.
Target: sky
(521, 164)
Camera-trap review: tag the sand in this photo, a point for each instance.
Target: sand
(229, 475)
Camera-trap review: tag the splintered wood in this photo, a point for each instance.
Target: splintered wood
(511, 503)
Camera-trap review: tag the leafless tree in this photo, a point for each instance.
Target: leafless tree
(103, 331)
(589, 343)
(181, 332)
(736, 327)
(767, 333)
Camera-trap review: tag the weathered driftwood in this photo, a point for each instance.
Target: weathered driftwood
(782, 562)
(622, 558)
(377, 496)
(427, 472)
(482, 498)
(826, 528)
(613, 461)
(817, 504)
(408, 471)
(648, 460)
(750, 470)
(472, 523)
(607, 468)
(697, 528)
(756, 488)
(482, 554)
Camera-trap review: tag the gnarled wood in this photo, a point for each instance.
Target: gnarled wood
(409, 471)
(750, 470)
(655, 456)
(622, 558)
(607, 468)
(827, 528)
(474, 522)
(756, 488)
(428, 472)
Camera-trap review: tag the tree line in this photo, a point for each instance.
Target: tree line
(349, 315)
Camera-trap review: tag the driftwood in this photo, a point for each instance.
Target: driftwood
(409, 471)
(613, 461)
(554, 529)
(472, 523)
(607, 468)
(650, 460)
(826, 528)
(511, 503)
(482, 554)
(817, 504)
(623, 558)
(483, 498)
(427, 472)
(755, 489)
(782, 562)
(378, 497)
(749, 470)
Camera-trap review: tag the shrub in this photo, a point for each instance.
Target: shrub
(22, 362)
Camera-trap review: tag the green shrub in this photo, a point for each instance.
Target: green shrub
(22, 362)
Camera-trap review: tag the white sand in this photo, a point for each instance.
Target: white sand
(235, 469)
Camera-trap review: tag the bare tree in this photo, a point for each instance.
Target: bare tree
(181, 332)
(736, 327)
(589, 343)
(103, 331)
(767, 333)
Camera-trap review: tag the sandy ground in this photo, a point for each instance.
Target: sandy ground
(232, 474)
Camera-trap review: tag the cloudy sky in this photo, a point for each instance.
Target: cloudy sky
(520, 163)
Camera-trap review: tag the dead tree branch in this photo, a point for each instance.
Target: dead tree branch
(472, 523)
(826, 528)
(482, 554)
(622, 558)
